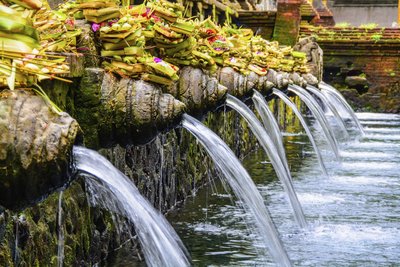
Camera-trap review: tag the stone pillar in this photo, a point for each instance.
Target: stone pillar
(287, 24)
(325, 16)
(318, 4)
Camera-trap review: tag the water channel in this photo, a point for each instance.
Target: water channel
(353, 214)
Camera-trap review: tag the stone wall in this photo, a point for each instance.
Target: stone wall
(356, 16)
(362, 62)
(369, 82)
(166, 170)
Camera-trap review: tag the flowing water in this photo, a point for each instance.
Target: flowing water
(336, 97)
(298, 114)
(267, 143)
(270, 124)
(332, 108)
(319, 115)
(353, 214)
(242, 185)
(160, 244)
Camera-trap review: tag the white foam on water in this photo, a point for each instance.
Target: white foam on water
(394, 137)
(316, 198)
(207, 228)
(292, 134)
(297, 142)
(351, 233)
(377, 116)
(387, 123)
(222, 195)
(365, 154)
(382, 130)
(372, 145)
(363, 180)
(368, 165)
(215, 253)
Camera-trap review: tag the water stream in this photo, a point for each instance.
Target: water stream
(267, 143)
(336, 97)
(319, 115)
(270, 124)
(160, 244)
(353, 214)
(243, 187)
(331, 107)
(298, 114)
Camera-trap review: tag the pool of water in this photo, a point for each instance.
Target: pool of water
(353, 215)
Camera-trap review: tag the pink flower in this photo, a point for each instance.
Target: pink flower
(157, 60)
(95, 27)
(70, 22)
(111, 22)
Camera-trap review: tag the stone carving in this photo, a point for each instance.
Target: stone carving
(35, 144)
(123, 110)
(314, 55)
(197, 89)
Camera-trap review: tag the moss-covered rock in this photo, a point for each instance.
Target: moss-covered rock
(35, 145)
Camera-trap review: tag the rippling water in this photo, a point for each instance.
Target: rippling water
(354, 214)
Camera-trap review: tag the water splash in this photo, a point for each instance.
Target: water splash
(379, 117)
(331, 107)
(267, 143)
(242, 185)
(319, 116)
(353, 218)
(289, 102)
(338, 98)
(160, 244)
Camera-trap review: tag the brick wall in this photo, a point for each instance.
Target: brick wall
(363, 63)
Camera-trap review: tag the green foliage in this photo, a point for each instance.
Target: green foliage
(376, 37)
(343, 25)
(369, 26)
(45, 97)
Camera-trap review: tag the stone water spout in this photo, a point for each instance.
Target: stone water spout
(198, 90)
(240, 85)
(35, 146)
(113, 110)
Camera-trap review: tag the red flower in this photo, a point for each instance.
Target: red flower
(211, 31)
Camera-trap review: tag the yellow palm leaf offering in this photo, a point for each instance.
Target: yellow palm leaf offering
(151, 40)
(28, 30)
(147, 41)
